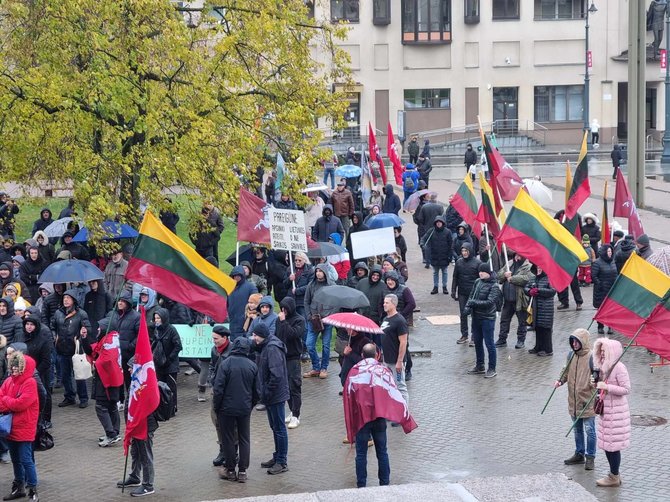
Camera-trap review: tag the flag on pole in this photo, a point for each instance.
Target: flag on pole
(465, 202)
(375, 154)
(143, 396)
(505, 181)
(580, 189)
(367, 178)
(624, 206)
(568, 182)
(107, 360)
(281, 166)
(530, 230)
(656, 335)
(165, 263)
(253, 224)
(605, 230)
(487, 210)
(392, 154)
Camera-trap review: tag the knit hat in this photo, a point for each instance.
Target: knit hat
(484, 267)
(221, 330)
(629, 237)
(389, 259)
(261, 330)
(618, 233)
(18, 259)
(643, 240)
(586, 239)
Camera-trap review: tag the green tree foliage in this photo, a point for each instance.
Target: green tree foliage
(123, 99)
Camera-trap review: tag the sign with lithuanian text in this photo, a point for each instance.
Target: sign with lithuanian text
(287, 230)
(196, 340)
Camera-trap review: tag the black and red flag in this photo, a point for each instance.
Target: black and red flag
(580, 189)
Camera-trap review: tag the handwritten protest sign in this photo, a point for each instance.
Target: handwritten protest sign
(196, 340)
(287, 230)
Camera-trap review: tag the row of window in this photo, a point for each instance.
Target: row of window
(558, 103)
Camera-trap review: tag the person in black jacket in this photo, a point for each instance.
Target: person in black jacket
(235, 391)
(44, 220)
(30, 271)
(274, 392)
(10, 323)
(391, 201)
(220, 351)
(7, 276)
(169, 217)
(438, 242)
(97, 303)
(290, 328)
(352, 352)
(542, 296)
(466, 272)
(39, 343)
(603, 275)
(326, 225)
(126, 322)
(470, 160)
(625, 249)
(483, 305)
(52, 303)
(617, 157)
(68, 324)
(357, 225)
(165, 340)
(298, 281)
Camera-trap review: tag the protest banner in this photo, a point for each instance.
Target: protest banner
(287, 230)
(379, 241)
(196, 340)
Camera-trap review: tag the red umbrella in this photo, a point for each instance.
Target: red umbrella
(352, 320)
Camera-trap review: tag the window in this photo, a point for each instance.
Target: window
(471, 11)
(427, 98)
(381, 12)
(426, 21)
(309, 5)
(560, 103)
(344, 10)
(559, 9)
(505, 9)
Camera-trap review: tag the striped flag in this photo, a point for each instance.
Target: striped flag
(487, 211)
(580, 189)
(465, 202)
(530, 230)
(656, 336)
(165, 263)
(636, 292)
(605, 230)
(571, 224)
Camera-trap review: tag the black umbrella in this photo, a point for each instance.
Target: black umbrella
(341, 297)
(325, 249)
(247, 254)
(71, 271)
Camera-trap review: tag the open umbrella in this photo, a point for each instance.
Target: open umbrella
(341, 297)
(113, 231)
(325, 249)
(384, 220)
(58, 228)
(538, 191)
(70, 271)
(352, 320)
(247, 254)
(314, 187)
(661, 260)
(348, 171)
(413, 200)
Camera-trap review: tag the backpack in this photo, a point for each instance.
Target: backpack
(165, 408)
(408, 184)
(158, 351)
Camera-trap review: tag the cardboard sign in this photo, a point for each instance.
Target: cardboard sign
(287, 230)
(379, 241)
(196, 340)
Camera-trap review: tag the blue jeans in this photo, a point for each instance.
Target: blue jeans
(482, 332)
(280, 433)
(436, 276)
(327, 334)
(67, 377)
(590, 425)
(326, 173)
(376, 429)
(21, 453)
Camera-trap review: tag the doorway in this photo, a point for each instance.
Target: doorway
(505, 110)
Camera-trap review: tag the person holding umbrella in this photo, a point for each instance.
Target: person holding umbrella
(314, 313)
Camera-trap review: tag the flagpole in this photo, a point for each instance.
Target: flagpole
(125, 470)
(290, 261)
(237, 254)
(559, 379)
(488, 244)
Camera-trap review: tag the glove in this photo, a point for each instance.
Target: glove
(470, 304)
(533, 291)
(601, 386)
(467, 311)
(557, 384)
(453, 295)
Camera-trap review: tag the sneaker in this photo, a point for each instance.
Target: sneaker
(107, 442)
(433, 291)
(219, 460)
(311, 374)
(323, 374)
(260, 407)
(408, 376)
(294, 423)
(579, 306)
(471, 343)
(601, 331)
(268, 464)
(589, 464)
(610, 331)
(577, 458)
(476, 371)
(116, 439)
(142, 491)
(563, 306)
(129, 482)
(120, 406)
(66, 402)
(426, 266)
(18, 491)
(501, 343)
(288, 417)
(462, 340)
(542, 353)
(4, 458)
(490, 373)
(277, 469)
(189, 372)
(202, 397)
(533, 351)
(47, 425)
(242, 477)
(228, 474)
(83, 404)
(520, 344)
(32, 495)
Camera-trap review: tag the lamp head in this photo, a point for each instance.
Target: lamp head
(593, 9)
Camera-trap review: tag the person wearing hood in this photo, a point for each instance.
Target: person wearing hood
(623, 251)
(343, 204)
(166, 346)
(30, 271)
(251, 311)
(326, 225)
(424, 166)
(406, 301)
(220, 351)
(260, 283)
(466, 272)
(391, 201)
(235, 393)
(513, 277)
(376, 199)
(146, 298)
(374, 210)
(179, 313)
(77, 251)
(463, 235)
(577, 374)
(237, 301)
(10, 324)
(357, 225)
(413, 148)
(643, 247)
(7, 277)
(13, 291)
(617, 157)
(360, 273)
(613, 383)
(542, 297)
(44, 220)
(420, 227)
(470, 160)
(68, 211)
(52, 302)
(425, 218)
(400, 243)
(46, 249)
(19, 396)
(169, 216)
(297, 282)
(274, 392)
(265, 316)
(17, 261)
(126, 321)
(410, 181)
(44, 290)
(603, 275)
(591, 228)
(269, 271)
(39, 345)
(8, 208)
(290, 328)
(314, 313)
(68, 325)
(373, 289)
(115, 274)
(439, 248)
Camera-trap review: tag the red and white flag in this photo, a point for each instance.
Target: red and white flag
(107, 360)
(375, 154)
(143, 396)
(253, 224)
(624, 206)
(392, 154)
(370, 392)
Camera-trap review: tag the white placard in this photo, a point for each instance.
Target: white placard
(287, 229)
(373, 242)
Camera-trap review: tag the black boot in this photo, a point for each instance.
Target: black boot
(18, 492)
(32, 494)
(220, 458)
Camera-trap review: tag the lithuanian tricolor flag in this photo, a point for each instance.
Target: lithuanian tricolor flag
(487, 211)
(636, 292)
(532, 232)
(164, 262)
(656, 334)
(465, 202)
(580, 189)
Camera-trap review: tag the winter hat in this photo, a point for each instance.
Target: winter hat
(586, 239)
(67, 234)
(17, 360)
(5, 266)
(409, 166)
(484, 267)
(643, 240)
(336, 238)
(18, 259)
(629, 237)
(20, 304)
(618, 233)
(221, 330)
(389, 259)
(261, 330)
(13, 287)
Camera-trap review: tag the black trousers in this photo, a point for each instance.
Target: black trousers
(462, 300)
(564, 296)
(242, 425)
(508, 312)
(294, 386)
(543, 340)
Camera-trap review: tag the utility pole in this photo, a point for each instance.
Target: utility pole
(637, 90)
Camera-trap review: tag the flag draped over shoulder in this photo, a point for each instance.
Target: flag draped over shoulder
(656, 335)
(465, 202)
(487, 210)
(636, 292)
(375, 154)
(580, 189)
(143, 396)
(530, 230)
(165, 263)
(252, 220)
(392, 154)
(624, 206)
(107, 360)
(605, 230)
(370, 392)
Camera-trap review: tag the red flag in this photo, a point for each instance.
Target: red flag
(624, 205)
(605, 230)
(143, 396)
(252, 218)
(107, 360)
(370, 392)
(656, 335)
(580, 189)
(375, 154)
(505, 182)
(392, 154)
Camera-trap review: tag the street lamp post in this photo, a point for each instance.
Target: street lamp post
(665, 158)
(591, 10)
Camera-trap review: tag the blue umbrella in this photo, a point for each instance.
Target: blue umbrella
(384, 220)
(70, 271)
(348, 171)
(113, 231)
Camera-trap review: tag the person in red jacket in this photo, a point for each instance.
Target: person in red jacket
(18, 395)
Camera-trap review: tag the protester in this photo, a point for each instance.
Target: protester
(603, 275)
(591, 227)
(400, 244)
(466, 272)
(373, 289)
(97, 303)
(220, 351)
(115, 273)
(46, 249)
(584, 268)
(30, 271)
(643, 247)
(513, 277)
(391, 201)
(361, 271)
(542, 297)
(357, 225)
(342, 201)
(375, 209)
(617, 157)
(314, 314)
(266, 315)
(413, 148)
(285, 202)
(623, 251)
(424, 167)
(43, 222)
(470, 161)
(237, 301)
(326, 225)
(463, 236)
(10, 323)
(290, 329)
(395, 343)
(39, 346)
(165, 347)
(410, 181)
(260, 283)
(438, 244)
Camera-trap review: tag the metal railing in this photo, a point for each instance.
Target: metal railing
(469, 133)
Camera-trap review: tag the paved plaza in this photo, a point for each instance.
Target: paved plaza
(469, 427)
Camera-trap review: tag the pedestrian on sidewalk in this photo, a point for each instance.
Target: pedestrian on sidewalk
(617, 157)
(438, 245)
(220, 351)
(603, 275)
(470, 161)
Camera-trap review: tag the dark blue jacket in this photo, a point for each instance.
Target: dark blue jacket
(237, 303)
(301, 284)
(235, 386)
(272, 372)
(392, 201)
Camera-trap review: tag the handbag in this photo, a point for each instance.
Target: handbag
(317, 323)
(5, 424)
(43, 439)
(599, 405)
(82, 368)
